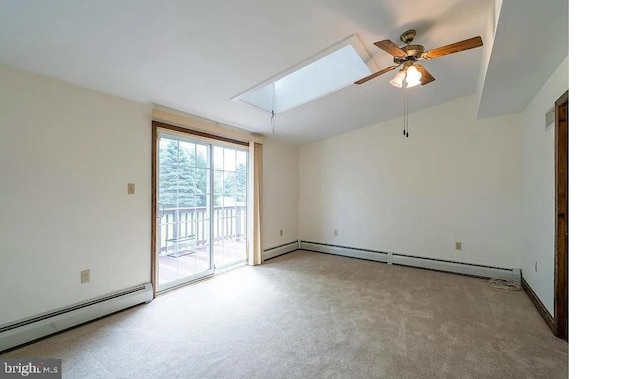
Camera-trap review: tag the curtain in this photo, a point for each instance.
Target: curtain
(255, 244)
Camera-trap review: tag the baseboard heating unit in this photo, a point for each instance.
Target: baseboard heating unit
(31, 328)
(412, 261)
(280, 250)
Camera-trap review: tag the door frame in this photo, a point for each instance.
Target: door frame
(155, 137)
(561, 276)
(156, 127)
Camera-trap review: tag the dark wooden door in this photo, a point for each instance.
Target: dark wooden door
(561, 296)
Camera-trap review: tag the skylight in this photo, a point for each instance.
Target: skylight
(331, 72)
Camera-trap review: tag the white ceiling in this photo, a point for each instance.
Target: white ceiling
(195, 55)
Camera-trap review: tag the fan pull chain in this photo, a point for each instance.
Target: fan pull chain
(404, 121)
(404, 108)
(273, 108)
(273, 121)
(405, 131)
(406, 100)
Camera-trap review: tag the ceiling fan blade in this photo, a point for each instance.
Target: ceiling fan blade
(467, 44)
(375, 75)
(426, 75)
(391, 48)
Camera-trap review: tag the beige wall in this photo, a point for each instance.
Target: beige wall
(67, 155)
(538, 187)
(280, 194)
(455, 179)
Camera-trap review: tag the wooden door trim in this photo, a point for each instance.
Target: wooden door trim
(197, 133)
(538, 304)
(561, 246)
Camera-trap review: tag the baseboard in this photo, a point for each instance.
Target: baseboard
(539, 306)
(344, 251)
(33, 328)
(461, 268)
(280, 250)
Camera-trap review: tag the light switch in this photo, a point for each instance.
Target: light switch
(131, 188)
(85, 276)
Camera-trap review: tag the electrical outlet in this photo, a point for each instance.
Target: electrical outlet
(85, 276)
(335, 232)
(458, 245)
(280, 231)
(131, 188)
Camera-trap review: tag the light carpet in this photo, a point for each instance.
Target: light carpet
(312, 315)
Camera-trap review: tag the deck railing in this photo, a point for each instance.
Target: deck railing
(181, 227)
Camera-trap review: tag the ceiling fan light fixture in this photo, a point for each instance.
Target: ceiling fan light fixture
(398, 79)
(413, 76)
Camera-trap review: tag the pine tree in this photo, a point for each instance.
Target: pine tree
(179, 184)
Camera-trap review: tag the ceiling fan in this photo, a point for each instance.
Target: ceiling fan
(412, 74)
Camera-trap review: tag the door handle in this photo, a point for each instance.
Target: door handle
(161, 212)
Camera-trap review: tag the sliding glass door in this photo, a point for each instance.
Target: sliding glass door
(229, 206)
(201, 207)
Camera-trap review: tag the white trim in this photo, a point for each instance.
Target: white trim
(29, 329)
(283, 249)
(345, 251)
(352, 40)
(421, 262)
